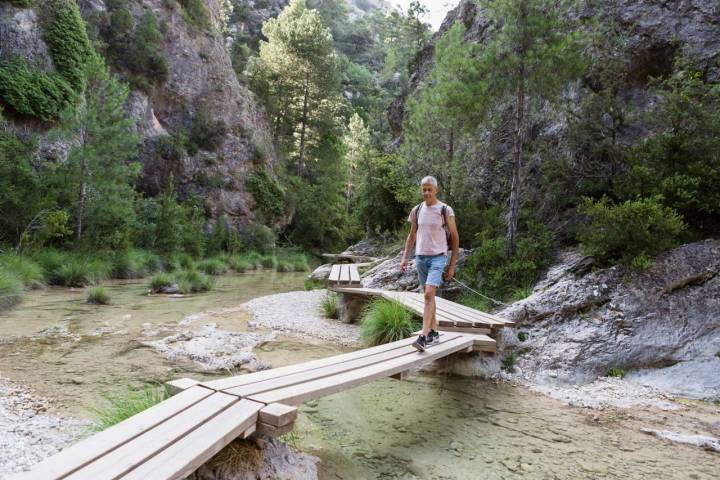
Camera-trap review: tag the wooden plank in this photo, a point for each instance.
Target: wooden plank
(334, 273)
(180, 384)
(473, 330)
(272, 430)
(330, 370)
(132, 454)
(297, 394)
(278, 414)
(354, 274)
(449, 317)
(402, 375)
(230, 382)
(85, 451)
(197, 447)
(478, 313)
(344, 274)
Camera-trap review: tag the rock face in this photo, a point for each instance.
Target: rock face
(655, 30)
(661, 326)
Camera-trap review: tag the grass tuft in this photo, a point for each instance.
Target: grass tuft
(329, 305)
(126, 404)
(28, 271)
(11, 288)
(98, 296)
(160, 281)
(212, 266)
(385, 321)
(192, 281)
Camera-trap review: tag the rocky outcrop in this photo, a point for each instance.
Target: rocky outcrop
(661, 326)
(655, 31)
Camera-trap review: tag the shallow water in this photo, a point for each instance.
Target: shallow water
(458, 428)
(76, 353)
(427, 427)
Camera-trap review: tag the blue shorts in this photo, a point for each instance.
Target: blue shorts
(430, 269)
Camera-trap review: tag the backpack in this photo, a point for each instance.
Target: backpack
(443, 211)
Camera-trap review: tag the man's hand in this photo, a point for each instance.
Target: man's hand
(403, 265)
(450, 273)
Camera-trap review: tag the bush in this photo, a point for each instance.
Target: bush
(192, 281)
(269, 262)
(617, 372)
(11, 288)
(476, 301)
(628, 232)
(385, 321)
(329, 305)
(284, 266)
(129, 264)
(508, 363)
(258, 238)
(268, 194)
(80, 271)
(160, 281)
(205, 133)
(212, 266)
(29, 272)
(491, 271)
(240, 264)
(311, 284)
(98, 296)
(122, 406)
(196, 13)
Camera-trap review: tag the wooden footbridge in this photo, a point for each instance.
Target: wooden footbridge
(175, 437)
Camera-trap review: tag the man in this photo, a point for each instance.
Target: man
(433, 228)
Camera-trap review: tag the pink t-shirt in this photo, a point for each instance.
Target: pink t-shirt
(431, 238)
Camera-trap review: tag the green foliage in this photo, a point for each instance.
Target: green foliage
(476, 301)
(123, 405)
(28, 271)
(268, 194)
(206, 133)
(617, 372)
(160, 281)
(212, 266)
(329, 305)
(79, 271)
(284, 266)
(30, 91)
(134, 263)
(384, 321)
(311, 284)
(634, 229)
(240, 264)
(489, 268)
(258, 238)
(509, 361)
(98, 296)
(522, 336)
(170, 227)
(196, 13)
(681, 163)
(192, 281)
(11, 288)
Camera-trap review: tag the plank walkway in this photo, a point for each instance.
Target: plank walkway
(344, 275)
(173, 438)
(451, 316)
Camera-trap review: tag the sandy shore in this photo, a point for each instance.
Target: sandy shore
(299, 313)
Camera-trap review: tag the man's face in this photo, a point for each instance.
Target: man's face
(429, 191)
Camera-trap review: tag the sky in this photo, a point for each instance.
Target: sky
(438, 9)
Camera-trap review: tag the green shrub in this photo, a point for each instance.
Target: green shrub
(121, 406)
(508, 363)
(30, 91)
(269, 262)
(625, 231)
(28, 271)
(329, 305)
(212, 266)
(615, 372)
(196, 13)
(11, 288)
(129, 264)
(476, 301)
(192, 281)
(160, 281)
(50, 261)
(98, 296)
(240, 264)
(522, 293)
(257, 238)
(284, 266)
(492, 272)
(268, 194)
(206, 132)
(385, 321)
(80, 271)
(312, 284)
(522, 336)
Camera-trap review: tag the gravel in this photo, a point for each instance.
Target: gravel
(29, 433)
(299, 313)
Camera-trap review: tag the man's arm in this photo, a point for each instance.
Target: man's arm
(455, 246)
(409, 244)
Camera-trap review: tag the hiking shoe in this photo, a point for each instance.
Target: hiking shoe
(420, 343)
(433, 338)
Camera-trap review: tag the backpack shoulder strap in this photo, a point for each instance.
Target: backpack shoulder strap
(416, 212)
(443, 212)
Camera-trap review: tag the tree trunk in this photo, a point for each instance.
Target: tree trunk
(303, 127)
(514, 210)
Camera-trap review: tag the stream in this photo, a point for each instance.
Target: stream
(426, 427)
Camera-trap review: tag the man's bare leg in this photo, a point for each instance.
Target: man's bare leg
(429, 320)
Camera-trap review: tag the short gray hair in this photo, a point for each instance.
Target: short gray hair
(429, 179)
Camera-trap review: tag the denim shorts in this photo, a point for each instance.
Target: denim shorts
(430, 269)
